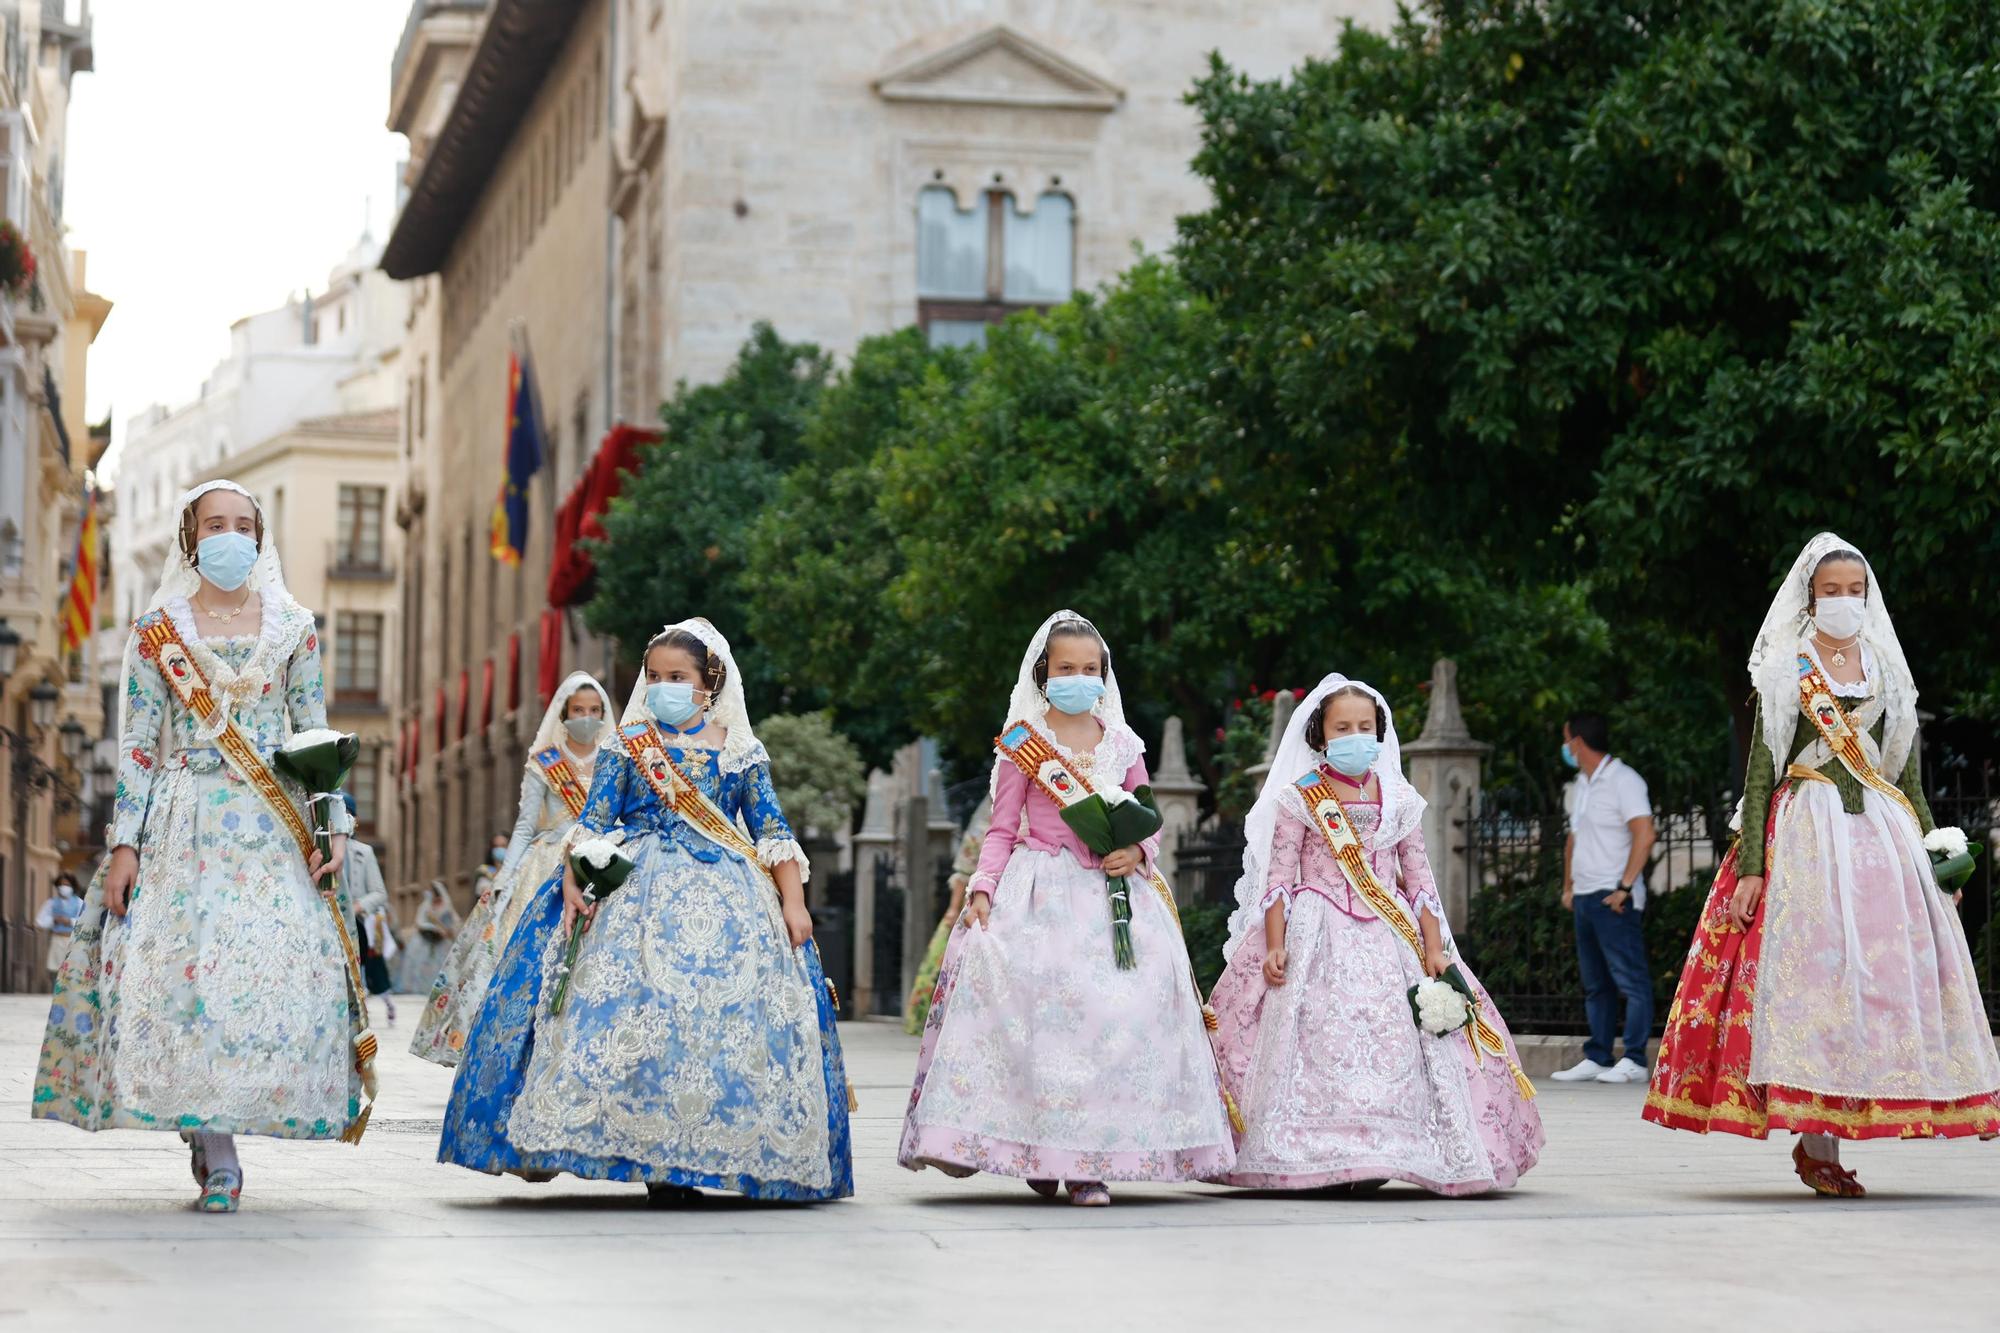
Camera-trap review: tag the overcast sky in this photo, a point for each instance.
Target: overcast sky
(221, 155)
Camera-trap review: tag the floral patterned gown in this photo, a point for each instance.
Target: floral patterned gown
(1335, 1081)
(696, 1046)
(219, 1002)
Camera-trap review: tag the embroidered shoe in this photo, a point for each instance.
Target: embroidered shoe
(221, 1190)
(1089, 1194)
(1826, 1178)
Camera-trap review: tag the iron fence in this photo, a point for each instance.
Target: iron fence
(1207, 862)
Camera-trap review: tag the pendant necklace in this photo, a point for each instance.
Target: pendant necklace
(224, 617)
(1839, 657)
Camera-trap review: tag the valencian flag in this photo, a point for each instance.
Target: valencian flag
(79, 610)
(523, 458)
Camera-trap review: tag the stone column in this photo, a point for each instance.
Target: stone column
(1444, 764)
(920, 888)
(1281, 717)
(1178, 793)
(873, 844)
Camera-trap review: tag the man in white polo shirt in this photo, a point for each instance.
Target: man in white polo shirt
(1610, 836)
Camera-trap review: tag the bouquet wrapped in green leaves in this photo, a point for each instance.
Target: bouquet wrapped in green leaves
(1953, 856)
(600, 868)
(1104, 822)
(1442, 1004)
(319, 761)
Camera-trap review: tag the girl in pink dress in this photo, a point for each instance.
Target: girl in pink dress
(1041, 1057)
(1336, 1083)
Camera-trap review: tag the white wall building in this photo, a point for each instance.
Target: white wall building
(318, 355)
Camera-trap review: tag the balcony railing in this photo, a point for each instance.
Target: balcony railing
(345, 562)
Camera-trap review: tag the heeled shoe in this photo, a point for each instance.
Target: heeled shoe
(221, 1190)
(1046, 1188)
(1827, 1178)
(671, 1196)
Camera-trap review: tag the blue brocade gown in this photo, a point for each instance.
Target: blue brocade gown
(696, 1047)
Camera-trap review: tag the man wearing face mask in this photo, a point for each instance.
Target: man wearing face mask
(1604, 861)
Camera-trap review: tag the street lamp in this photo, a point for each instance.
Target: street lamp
(10, 650)
(42, 705)
(72, 740)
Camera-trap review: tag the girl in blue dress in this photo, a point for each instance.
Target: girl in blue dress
(697, 1046)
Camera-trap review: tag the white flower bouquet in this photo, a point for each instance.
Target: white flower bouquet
(1952, 857)
(1442, 1004)
(600, 867)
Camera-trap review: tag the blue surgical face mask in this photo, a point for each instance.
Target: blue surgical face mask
(225, 559)
(671, 701)
(1569, 756)
(1353, 754)
(1075, 694)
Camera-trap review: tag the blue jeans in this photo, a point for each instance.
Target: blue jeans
(1611, 955)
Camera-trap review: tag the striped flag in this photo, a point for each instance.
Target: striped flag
(523, 456)
(79, 612)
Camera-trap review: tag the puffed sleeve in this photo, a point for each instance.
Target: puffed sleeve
(142, 716)
(305, 703)
(1281, 876)
(1759, 778)
(532, 787)
(757, 806)
(1010, 793)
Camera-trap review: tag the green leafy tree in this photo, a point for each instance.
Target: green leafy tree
(816, 772)
(676, 538)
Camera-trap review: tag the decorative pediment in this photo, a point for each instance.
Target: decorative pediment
(999, 66)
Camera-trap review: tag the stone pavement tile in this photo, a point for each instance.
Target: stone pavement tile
(1622, 1226)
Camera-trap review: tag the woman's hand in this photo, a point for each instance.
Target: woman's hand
(1743, 903)
(1436, 961)
(575, 905)
(320, 866)
(119, 878)
(978, 908)
(798, 923)
(1122, 862)
(1275, 959)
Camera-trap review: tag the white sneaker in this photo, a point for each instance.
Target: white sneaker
(1581, 1072)
(1626, 1070)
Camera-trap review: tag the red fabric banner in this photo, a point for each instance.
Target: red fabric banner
(548, 676)
(513, 671)
(440, 718)
(486, 694)
(464, 700)
(580, 516)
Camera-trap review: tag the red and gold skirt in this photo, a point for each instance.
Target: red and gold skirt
(1701, 1078)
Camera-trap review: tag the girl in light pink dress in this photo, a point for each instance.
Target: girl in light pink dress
(1041, 1057)
(1317, 1041)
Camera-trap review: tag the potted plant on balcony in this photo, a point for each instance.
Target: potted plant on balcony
(17, 262)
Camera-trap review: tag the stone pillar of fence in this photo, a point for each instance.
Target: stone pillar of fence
(1177, 792)
(873, 844)
(1444, 764)
(1281, 716)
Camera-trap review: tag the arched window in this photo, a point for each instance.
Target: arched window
(978, 265)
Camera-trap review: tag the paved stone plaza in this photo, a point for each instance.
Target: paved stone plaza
(1623, 1226)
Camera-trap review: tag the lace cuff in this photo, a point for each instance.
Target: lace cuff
(773, 852)
(1277, 893)
(985, 882)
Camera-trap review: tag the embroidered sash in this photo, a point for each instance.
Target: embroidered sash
(160, 643)
(1330, 817)
(1042, 764)
(556, 769)
(1822, 708)
(678, 792)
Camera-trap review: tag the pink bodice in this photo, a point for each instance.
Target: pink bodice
(1118, 757)
(1302, 863)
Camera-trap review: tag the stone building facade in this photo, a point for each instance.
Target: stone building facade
(51, 709)
(631, 185)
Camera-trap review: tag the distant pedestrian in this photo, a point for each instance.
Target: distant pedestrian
(58, 916)
(1604, 861)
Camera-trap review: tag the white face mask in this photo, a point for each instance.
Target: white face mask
(1839, 617)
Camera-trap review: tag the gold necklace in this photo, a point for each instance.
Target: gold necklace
(226, 616)
(1839, 657)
